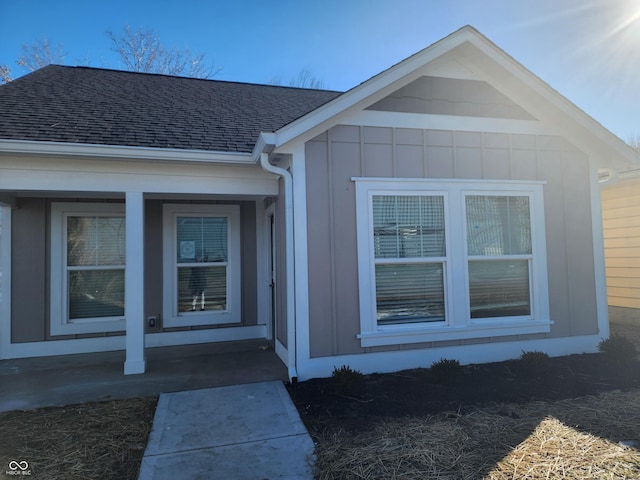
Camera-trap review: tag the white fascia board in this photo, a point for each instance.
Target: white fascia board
(122, 152)
(601, 139)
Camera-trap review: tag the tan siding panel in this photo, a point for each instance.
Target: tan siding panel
(345, 164)
(624, 302)
(319, 246)
(622, 242)
(610, 212)
(623, 262)
(623, 292)
(378, 160)
(621, 272)
(409, 161)
(627, 221)
(496, 164)
(468, 162)
(622, 232)
(622, 252)
(523, 164)
(582, 294)
(439, 162)
(624, 282)
(409, 136)
(560, 312)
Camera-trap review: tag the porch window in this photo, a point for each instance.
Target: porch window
(450, 259)
(202, 264)
(87, 268)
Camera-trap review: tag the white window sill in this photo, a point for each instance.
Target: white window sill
(432, 333)
(78, 327)
(196, 319)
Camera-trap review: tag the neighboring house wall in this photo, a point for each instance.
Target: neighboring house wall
(334, 157)
(30, 272)
(621, 223)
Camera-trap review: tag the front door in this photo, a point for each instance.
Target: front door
(271, 224)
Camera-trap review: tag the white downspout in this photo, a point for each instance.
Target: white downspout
(289, 261)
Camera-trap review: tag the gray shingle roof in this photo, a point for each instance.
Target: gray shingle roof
(96, 106)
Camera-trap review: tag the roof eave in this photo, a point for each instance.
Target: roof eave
(28, 147)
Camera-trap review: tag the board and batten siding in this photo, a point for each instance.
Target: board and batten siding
(343, 152)
(30, 269)
(621, 224)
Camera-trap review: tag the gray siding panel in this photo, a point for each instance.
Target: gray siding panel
(249, 263)
(28, 272)
(333, 159)
(153, 262)
(559, 307)
(579, 227)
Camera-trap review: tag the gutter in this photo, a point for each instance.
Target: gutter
(289, 260)
(26, 147)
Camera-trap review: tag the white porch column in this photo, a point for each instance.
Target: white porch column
(134, 284)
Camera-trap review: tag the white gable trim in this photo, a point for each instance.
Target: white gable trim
(502, 71)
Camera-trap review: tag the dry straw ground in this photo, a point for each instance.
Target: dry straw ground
(569, 439)
(572, 438)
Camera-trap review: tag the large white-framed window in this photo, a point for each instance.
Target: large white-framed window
(201, 264)
(450, 259)
(87, 268)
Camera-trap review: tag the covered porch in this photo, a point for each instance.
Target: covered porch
(70, 379)
(172, 217)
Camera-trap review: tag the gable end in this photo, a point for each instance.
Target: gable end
(451, 96)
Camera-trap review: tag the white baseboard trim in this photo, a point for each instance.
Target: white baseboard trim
(106, 344)
(393, 361)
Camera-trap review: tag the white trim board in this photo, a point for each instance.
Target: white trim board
(386, 362)
(107, 344)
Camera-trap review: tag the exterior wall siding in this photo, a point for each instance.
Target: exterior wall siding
(621, 223)
(343, 152)
(30, 272)
(281, 269)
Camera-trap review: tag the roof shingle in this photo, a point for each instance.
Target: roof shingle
(110, 107)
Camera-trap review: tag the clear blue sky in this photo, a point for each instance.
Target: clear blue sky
(588, 50)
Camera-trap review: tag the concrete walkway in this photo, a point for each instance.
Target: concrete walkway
(250, 431)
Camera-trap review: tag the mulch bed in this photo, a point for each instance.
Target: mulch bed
(560, 418)
(325, 403)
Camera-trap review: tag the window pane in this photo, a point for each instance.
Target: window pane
(202, 239)
(96, 294)
(408, 226)
(498, 225)
(408, 293)
(499, 288)
(202, 288)
(95, 241)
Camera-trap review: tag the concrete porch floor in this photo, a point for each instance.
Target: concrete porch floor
(64, 380)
